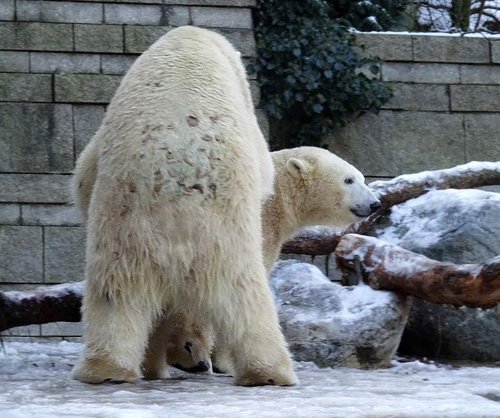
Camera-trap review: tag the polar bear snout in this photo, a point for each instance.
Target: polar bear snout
(363, 211)
(202, 366)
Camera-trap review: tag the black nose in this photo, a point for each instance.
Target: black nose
(202, 366)
(375, 206)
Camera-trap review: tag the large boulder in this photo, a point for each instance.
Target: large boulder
(459, 226)
(333, 325)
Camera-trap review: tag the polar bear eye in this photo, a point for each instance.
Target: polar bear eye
(349, 180)
(188, 346)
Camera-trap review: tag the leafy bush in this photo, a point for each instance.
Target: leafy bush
(309, 73)
(368, 15)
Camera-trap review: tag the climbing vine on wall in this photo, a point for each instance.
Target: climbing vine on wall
(312, 79)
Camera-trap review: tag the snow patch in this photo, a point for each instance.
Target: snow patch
(407, 390)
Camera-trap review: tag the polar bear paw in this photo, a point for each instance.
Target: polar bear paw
(267, 377)
(102, 370)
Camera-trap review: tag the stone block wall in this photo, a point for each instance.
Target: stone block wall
(60, 63)
(445, 110)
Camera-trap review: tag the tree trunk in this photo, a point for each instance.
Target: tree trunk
(396, 191)
(386, 266)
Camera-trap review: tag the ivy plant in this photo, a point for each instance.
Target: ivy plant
(312, 79)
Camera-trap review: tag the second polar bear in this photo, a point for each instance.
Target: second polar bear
(173, 215)
(312, 187)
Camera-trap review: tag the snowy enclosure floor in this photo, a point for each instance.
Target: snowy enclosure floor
(34, 382)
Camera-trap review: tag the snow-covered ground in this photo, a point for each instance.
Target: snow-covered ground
(34, 382)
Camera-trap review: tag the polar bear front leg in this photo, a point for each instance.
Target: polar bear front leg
(155, 360)
(116, 336)
(251, 333)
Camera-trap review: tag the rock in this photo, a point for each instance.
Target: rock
(332, 325)
(458, 226)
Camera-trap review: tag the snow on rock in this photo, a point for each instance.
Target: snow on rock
(34, 382)
(458, 226)
(333, 325)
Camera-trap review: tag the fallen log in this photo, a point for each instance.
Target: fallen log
(396, 191)
(385, 266)
(41, 305)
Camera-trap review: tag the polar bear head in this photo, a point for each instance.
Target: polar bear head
(319, 188)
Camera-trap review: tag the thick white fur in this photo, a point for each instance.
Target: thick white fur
(174, 216)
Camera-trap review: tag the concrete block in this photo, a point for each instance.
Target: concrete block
(36, 36)
(10, 214)
(140, 38)
(36, 188)
(451, 49)
(242, 39)
(495, 50)
(79, 340)
(482, 136)
(54, 215)
(386, 47)
(54, 62)
(14, 62)
(255, 91)
(21, 254)
(146, 15)
(58, 11)
(64, 259)
(25, 331)
(7, 10)
(83, 88)
(401, 142)
(36, 137)
(480, 74)
(431, 97)
(117, 64)
(421, 73)
(31, 340)
(263, 121)
(56, 329)
(222, 17)
(475, 98)
(98, 38)
(225, 3)
(87, 119)
(16, 87)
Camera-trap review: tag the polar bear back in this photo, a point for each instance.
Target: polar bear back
(185, 105)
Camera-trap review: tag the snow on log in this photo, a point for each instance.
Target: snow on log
(41, 305)
(396, 191)
(385, 266)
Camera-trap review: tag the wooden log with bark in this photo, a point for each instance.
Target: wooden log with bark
(385, 266)
(396, 191)
(41, 305)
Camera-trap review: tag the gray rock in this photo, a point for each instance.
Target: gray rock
(333, 325)
(459, 226)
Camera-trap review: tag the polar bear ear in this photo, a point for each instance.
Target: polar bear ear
(296, 167)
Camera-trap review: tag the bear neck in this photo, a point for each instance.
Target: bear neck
(280, 221)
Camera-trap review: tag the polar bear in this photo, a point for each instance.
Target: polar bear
(174, 215)
(312, 187)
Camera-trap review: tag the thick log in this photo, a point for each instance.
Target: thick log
(385, 266)
(41, 305)
(396, 191)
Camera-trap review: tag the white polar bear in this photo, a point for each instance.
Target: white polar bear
(174, 212)
(312, 187)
